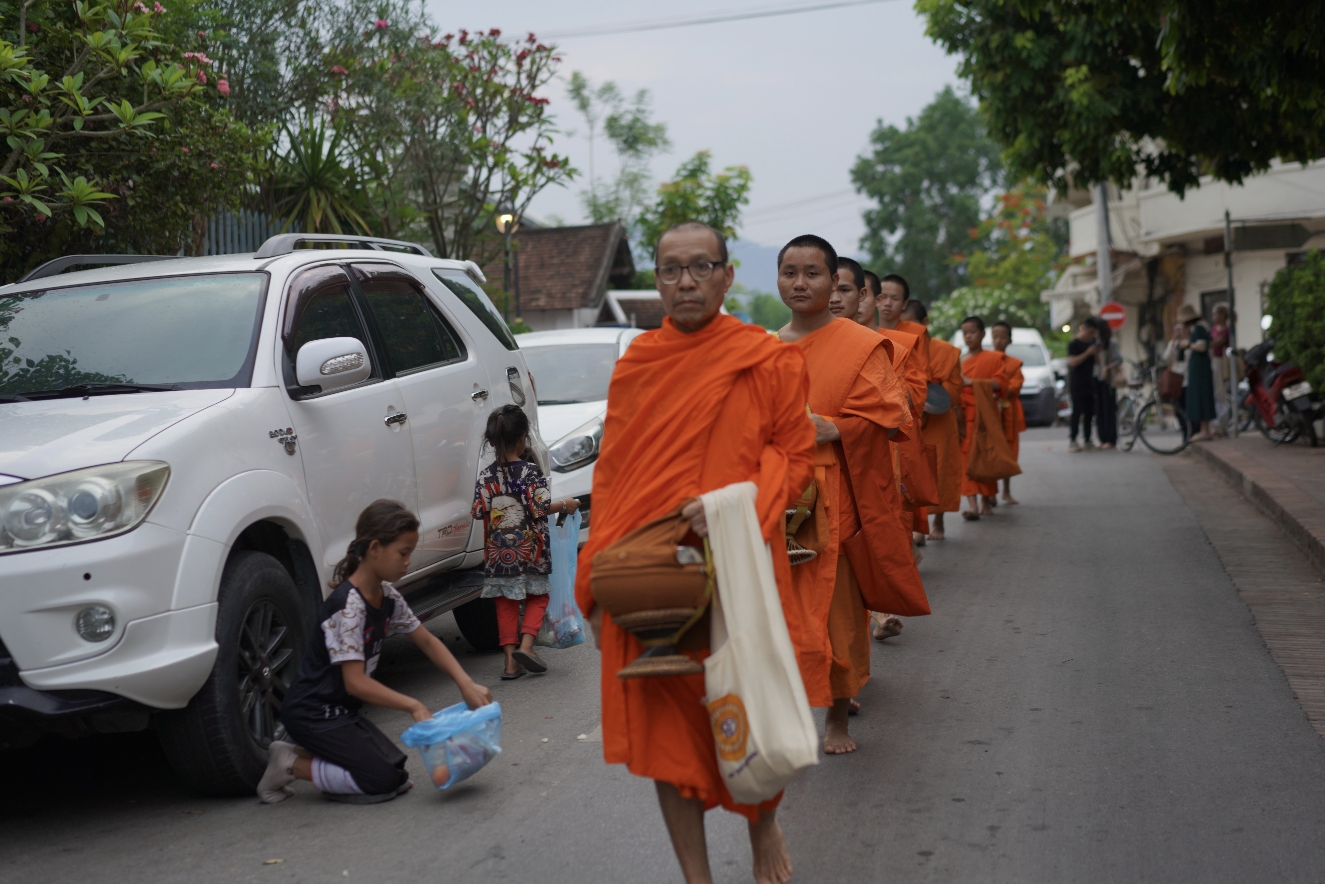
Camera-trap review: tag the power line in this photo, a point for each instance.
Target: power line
(795, 204)
(635, 27)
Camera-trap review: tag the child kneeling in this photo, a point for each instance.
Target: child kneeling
(342, 753)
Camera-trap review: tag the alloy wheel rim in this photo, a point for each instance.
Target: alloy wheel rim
(265, 663)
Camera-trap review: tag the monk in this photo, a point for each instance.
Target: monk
(854, 281)
(1014, 416)
(701, 403)
(943, 431)
(857, 403)
(894, 292)
(978, 364)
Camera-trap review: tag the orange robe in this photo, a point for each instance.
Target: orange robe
(911, 362)
(1014, 416)
(941, 429)
(686, 414)
(984, 364)
(852, 383)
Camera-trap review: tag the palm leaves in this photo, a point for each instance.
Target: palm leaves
(318, 192)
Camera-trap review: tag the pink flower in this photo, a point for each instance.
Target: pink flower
(202, 34)
(215, 166)
(139, 7)
(381, 24)
(9, 199)
(495, 32)
(339, 70)
(41, 217)
(223, 86)
(184, 149)
(33, 27)
(158, 8)
(202, 78)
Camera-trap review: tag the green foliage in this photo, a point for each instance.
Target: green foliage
(927, 180)
(1296, 301)
(765, 310)
(637, 139)
(990, 304)
(697, 194)
(1080, 91)
(316, 191)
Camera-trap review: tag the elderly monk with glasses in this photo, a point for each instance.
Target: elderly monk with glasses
(699, 404)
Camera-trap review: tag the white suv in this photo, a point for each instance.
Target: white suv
(185, 446)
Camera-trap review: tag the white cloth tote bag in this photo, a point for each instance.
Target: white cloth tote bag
(756, 701)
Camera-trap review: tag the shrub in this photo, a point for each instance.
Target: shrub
(1296, 301)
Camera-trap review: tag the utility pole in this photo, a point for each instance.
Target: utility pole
(1232, 330)
(1103, 253)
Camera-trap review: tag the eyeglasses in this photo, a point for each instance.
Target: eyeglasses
(670, 274)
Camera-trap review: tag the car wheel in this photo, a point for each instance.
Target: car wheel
(217, 744)
(477, 620)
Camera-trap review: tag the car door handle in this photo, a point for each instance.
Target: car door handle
(396, 418)
(478, 394)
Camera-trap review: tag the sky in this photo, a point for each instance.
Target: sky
(793, 97)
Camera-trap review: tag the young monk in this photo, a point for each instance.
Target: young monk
(701, 403)
(979, 364)
(857, 404)
(1014, 416)
(943, 431)
(894, 292)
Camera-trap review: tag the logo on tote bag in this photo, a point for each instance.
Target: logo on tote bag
(731, 728)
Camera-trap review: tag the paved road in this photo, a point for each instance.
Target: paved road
(1091, 702)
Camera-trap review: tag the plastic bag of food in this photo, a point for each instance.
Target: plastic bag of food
(563, 627)
(457, 742)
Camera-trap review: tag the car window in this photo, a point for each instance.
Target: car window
(567, 373)
(189, 332)
(320, 298)
(414, 333)
(479, 304)
(1029, 354)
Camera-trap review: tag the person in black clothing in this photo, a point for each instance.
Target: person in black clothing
(342, 753)
(1106, 401)
(1081, 352)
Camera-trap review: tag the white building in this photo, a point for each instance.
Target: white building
(1169, 250)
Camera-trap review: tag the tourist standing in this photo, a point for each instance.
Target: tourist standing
(1200, 399)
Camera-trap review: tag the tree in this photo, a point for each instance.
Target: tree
(1092, 90)
(117, 135)
(928, 180)
(697, 194)
(1296, 304)
(637, 139)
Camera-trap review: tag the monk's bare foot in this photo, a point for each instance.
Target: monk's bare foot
(853, 707)
(917, 538)
(836, 739)
(936, 530)
(1009, 499)
(772, 861)
(970, 516)
(886, 626)
(986, 508)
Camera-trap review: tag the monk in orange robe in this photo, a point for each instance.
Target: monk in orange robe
(1014, 416)
(699, 404)
(979, 364)
(943, 431)
(858, 403)
(894, 292)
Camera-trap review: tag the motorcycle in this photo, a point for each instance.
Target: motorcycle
(1279, 397)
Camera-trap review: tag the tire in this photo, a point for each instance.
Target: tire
(477, 620)
(1163, 427)
(1283, 430)
(217, 745)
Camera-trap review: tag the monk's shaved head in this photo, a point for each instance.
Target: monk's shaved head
(718, 238)
(915, 311)
(809, 240)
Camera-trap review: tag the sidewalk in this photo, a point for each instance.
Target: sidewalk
(1286, 482)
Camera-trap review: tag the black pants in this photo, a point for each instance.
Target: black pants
(1106, 413)
(1083, 406)
(359, 747)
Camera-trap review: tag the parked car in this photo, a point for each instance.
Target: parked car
(1038, 398)
(571, 370)
(185, 446)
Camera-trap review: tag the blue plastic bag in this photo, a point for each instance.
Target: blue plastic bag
(457, 742)
(563, 627)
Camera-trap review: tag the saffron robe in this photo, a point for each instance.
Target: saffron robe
(941, 429)
(852, 383)
(985, 364)
(1014, 416)
(911, 362)
(688, 413)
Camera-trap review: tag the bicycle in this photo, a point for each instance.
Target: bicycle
(1161, 425)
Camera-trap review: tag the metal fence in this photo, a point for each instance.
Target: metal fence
(236, 233)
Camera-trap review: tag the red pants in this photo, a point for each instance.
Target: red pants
(508, 617)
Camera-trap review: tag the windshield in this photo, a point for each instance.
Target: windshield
(571, 372)
(183, 331)
(1029, 354)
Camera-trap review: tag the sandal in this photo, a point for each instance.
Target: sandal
(506, 676)
(529, 660)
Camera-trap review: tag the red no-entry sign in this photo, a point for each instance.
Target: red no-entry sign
(1114, 314)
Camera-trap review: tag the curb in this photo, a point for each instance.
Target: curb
(1296, 514)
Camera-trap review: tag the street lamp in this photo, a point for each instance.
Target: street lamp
(507, 224)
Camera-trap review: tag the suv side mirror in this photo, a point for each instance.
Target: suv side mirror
(332, 363)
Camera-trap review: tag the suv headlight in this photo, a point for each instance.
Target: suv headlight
(578, 447)
(83, 505)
